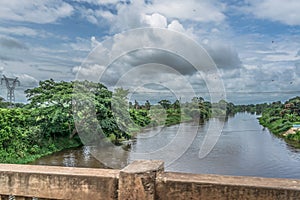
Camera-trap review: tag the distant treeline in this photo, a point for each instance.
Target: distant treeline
(47, 122)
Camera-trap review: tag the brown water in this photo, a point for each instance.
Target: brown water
(74, 157)
(244, 148)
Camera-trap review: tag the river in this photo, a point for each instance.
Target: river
(244, 148)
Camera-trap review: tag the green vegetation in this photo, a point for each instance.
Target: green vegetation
(47, 123)
(21, 140)
(168, 113)
(279, 118)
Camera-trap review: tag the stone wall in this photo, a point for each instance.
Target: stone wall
(140, 180)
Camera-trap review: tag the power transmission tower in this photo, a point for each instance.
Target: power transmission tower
(11, 84)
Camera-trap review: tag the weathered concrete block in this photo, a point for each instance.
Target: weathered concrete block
(137, 180)
(183, 186)
(51, 182)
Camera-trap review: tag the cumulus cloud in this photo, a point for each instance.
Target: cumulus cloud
(48, 11)
(135, 14)
(154, 50)
(142, 57)
(175, 25)
(286, 12)
(155, 20)
(242, 62)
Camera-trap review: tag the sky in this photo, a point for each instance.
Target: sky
(255, 45)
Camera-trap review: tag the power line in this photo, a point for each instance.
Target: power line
(11, 84)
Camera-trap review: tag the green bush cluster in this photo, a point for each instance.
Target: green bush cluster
(279, 117)
(21, 141)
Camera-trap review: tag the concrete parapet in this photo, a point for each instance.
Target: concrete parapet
(172, 186)
(143, 180)
(51, 182)
(137, 180)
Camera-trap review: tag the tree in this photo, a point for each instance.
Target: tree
(51, 105)
(176, 104)
(18, 135)
(166, 104)
(136, 105)
(120, 109)
(3, 103)
(147, 105)
(57, 104)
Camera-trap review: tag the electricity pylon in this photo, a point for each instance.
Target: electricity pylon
(11, 84)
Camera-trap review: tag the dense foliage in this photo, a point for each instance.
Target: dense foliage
(21, 140)
(279, 117)
(47, 122)
(52, 104)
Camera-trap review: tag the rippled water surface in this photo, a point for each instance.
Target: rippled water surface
(244, 148)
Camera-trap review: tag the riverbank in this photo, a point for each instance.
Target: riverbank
(281, 119)
(283, 129)
(243, 143)
(35, 152)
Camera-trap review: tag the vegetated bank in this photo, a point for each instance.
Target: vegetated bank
(280, 118)
(47, 123)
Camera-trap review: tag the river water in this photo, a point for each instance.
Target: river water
(244, 148)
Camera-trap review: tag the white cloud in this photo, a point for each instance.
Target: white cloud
(94, 42)
(19, 30)
(27, 80)
(47, 11)
(286, 12)
(105, 14)
(201, 11)
(155, 20)
(80, 44)
(175, 25)
(247, 63)
(98, 2)
(138, 14)
(91, 72)
(88, 14)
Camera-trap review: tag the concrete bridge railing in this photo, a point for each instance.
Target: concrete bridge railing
(139, 180)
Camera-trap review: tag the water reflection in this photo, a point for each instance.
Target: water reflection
(244, 148)
(75, 157)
